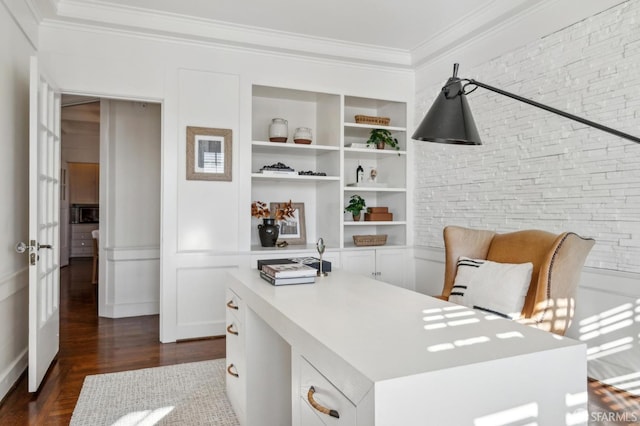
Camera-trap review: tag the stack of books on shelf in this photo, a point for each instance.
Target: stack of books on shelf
(290, 273)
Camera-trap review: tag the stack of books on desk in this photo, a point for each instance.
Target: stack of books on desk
(291, 273)
(309, 261)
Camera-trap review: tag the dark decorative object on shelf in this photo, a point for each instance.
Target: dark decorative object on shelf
(268, 232)
(310, 173)
(278, 167)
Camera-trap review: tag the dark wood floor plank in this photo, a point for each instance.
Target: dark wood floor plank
(92, 345)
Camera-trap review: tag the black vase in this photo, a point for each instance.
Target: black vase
(268, 232)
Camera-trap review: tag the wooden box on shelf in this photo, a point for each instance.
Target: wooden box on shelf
(374, 214)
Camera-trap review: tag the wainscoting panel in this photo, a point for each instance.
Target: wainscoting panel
(607, 319)
(429, 270)
(132, 281)
(200, 301)
(14, 324)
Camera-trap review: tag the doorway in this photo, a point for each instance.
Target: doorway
(111, 162)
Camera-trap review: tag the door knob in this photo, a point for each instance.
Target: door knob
(21, 247)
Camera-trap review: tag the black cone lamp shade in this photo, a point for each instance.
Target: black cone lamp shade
(449, 119)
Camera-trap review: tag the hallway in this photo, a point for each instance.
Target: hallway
(92, 345)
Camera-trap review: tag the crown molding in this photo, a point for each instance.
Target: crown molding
(470, 26)
(26, 17)
(162, 23)
(482, 33)
(529, 24)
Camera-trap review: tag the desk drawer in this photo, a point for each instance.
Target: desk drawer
(235, 306)
(327, 398)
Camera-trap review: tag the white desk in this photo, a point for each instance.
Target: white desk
(383, 355)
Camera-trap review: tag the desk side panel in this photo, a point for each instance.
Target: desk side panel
(545, 388)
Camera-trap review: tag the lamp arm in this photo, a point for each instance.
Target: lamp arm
(553, 110)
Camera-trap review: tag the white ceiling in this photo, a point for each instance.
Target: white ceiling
(398, 32)
(399, 24)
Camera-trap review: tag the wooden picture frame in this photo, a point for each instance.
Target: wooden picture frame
(292, 230)
(209, 153)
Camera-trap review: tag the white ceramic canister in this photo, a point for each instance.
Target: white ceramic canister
(302, 135)
(278, 130)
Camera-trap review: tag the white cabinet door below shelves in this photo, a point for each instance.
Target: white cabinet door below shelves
(391, 267)
(361, 262)
(388, 265)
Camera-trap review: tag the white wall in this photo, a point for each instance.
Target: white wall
(538, 170)
(204, 227)
(130, 200)
(81, 148)
(14, 191)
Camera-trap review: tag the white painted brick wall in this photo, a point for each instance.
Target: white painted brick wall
(539, 170)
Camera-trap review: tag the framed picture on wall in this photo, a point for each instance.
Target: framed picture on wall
(209, 153)
(292, 229)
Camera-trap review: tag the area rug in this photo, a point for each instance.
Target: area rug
(182, 394)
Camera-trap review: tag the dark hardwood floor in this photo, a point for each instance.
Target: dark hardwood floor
(92, 345)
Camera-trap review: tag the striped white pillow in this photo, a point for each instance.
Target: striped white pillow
(497, 288)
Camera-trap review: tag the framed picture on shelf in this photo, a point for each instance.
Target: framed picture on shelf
(209, 153)
(292, 229)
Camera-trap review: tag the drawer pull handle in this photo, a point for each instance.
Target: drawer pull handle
(230, 331)
(230, 305)
(314, 404)
(231, 372)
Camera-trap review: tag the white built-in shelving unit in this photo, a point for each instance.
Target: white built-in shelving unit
(332, 120)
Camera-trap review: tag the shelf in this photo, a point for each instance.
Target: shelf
(291, 178)
(374, 223)
(372, 189)
(352, 246)
(263, 147)
(289, 249)
(375, 126)
(371, 152)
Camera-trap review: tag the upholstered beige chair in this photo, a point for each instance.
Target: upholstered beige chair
(557, 264)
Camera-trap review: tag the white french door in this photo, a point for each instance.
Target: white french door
(44, 225)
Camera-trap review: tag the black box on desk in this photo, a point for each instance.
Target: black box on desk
(310, 261)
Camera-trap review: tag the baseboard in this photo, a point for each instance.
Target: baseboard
(200, 329)
(12, 373)
(124, 310)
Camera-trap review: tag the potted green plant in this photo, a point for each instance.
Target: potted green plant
(356, 205)
(382, 137)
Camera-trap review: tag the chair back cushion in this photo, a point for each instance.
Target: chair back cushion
(521, 247)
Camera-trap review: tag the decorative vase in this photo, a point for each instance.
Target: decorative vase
(278, 130)
(356, 217)
(268, 232)
(302, 135)
(380, 145)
